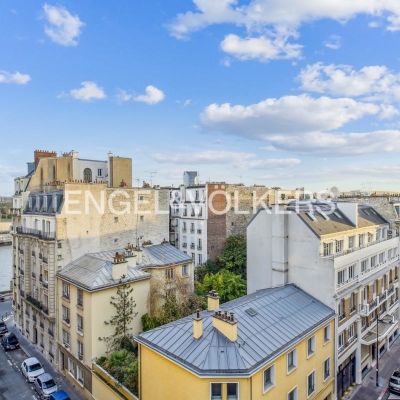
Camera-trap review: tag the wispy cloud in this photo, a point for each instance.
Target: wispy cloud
(62, 27)
(16, 78)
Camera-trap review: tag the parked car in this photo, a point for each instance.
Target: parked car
(59, 395)
(45, 386)
(394, 382)
(9, 342)
(31, 369)
(3, 328)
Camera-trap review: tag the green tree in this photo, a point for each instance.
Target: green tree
(121, 321)
(229, 286)
(233, 257)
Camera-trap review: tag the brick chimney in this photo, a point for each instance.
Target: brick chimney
(38, 154)
(226, 324)
(197, 326)
(119, 266)
(212, 301)
(133, 251)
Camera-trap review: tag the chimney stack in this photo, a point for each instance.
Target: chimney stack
(197, 326)
(212, 301)
(226, 324)
(119, 267)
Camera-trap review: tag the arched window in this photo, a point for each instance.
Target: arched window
(87, 175)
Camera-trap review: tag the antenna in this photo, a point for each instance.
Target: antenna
(151, 175)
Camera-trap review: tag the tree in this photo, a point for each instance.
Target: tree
(229, 286)
(233, 257)
(124, 305)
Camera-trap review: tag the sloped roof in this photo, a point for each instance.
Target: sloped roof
(283, 316)
(93, 271)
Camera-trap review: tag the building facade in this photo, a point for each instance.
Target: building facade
(84, 290)
(346, 256)
(238, 351)
(61, 219)
(202, 216)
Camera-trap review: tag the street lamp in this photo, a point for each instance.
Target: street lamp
(387, 319)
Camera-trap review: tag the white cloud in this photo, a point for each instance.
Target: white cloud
(237, 159)
(88, 91)
(334, 42)
(62, 27)
(344, 80)
(16, 78)
(152, 95)
(285, 115)
(276, 18)
(261, 48)
(340, 143)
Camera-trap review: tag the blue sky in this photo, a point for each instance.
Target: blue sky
(259, 91)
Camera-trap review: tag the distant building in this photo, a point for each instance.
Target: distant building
(202, 216)
(84, 290)
(61, 217)
(346, 256)
(190, 178)
(275, 343)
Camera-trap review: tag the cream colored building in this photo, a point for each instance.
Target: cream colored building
(273, 344)
(345, 255)
(85, 287)
(65, 213)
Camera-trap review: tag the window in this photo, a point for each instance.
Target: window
(169, 273)
(99, 172)
(351, 242)
(232, 390)
(361, 240)
(71, 367)
(79, 301)
(141, 218)
(339, 246)
(66, 339)
(65, 290)
(311, 384)
(200, 259)
(328, 249)
(216, 391)
(364, 266)
(353, 302)
(373, 262)
(185, 270)
(65, 313)
(79, 375)
(116, 220)
(327, 369)
(291, 360)
(352, 270)
(269, 378)
(292, 395)
(327, 333)
(381, 258)
(80, 350)
(341, 312)
(79, 326)
(311, 346)
(341, 277)
(351, 332)
(341, 340)
(87, 175)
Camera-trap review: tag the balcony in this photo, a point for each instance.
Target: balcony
(36, 233)
(390, 291)
(34, 302)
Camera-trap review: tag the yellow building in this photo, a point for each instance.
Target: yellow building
(85, 287)
(274, 344)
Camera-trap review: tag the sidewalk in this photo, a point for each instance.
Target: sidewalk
(368, 389)
(31, 351)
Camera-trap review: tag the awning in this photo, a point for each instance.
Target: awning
(384, 330)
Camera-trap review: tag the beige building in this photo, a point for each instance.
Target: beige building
(65, 212)
(85, 287)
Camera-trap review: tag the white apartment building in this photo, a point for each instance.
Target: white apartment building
(345, 255)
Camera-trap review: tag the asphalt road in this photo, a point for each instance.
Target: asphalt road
(12, 384)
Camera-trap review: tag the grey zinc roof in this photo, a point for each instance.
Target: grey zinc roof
(283, 316)
(93, 271)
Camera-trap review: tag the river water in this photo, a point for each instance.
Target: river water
(5, 267)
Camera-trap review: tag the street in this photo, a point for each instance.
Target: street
(388, 363)
(12, 384)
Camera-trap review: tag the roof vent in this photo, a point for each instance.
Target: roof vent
(251, 311)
